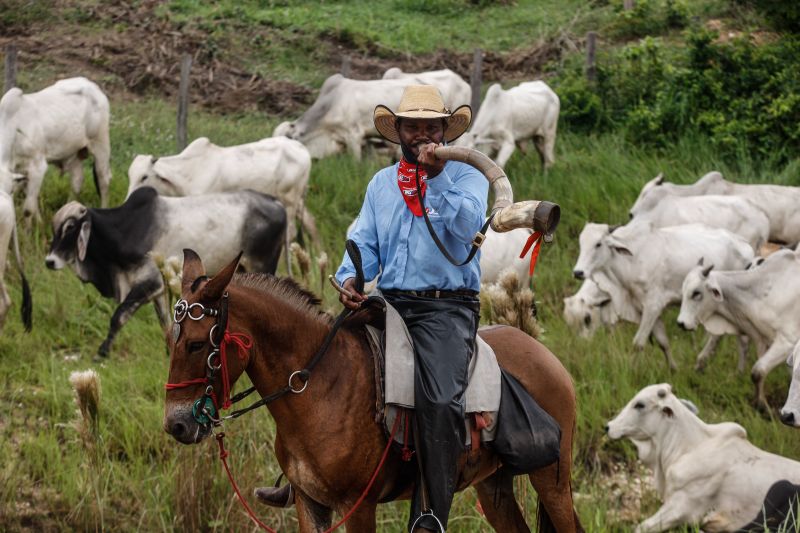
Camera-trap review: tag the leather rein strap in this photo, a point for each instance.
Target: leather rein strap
(477, 241)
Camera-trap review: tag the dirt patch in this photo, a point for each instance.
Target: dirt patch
(133, 52)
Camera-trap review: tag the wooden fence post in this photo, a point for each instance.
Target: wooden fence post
(591, 50)
(183, 101)
(475, 81)
(345, 70)
(10, 78)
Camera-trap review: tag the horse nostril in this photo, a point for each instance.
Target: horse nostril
(787, 418)
(178, 429)
(578, 274)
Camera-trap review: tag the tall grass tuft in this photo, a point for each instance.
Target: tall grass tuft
(86, 385)
(507, 303)
(322, 265)
(303, 261)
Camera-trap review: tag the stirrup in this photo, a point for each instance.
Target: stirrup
(422, 515)
(276, 496)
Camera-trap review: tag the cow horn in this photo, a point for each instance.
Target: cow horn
(542, 216)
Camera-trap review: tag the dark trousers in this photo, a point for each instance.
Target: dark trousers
(443, 331)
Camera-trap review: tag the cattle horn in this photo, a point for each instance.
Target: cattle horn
(540, 215)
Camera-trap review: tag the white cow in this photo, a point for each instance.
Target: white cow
(455, 91)
(276, 166)
(790, 412)
(650, 264)
(733, 213)
(707, 475)
(778, 202)
(761, 302)
(8, 229)
(341, 117)
(61, 124)
(589, 308)
(528, 111)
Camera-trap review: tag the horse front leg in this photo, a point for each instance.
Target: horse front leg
(496, 496)
(362, 520)
(312, 516)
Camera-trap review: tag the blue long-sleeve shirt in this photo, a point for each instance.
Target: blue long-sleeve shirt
(390, 237)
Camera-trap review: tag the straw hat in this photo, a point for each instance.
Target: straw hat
(422, 101)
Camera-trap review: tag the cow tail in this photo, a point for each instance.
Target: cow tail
(27, 300)
(94, 175)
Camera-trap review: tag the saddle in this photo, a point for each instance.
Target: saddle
(393, 353)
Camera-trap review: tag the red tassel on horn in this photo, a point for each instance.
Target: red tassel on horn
(536, 237)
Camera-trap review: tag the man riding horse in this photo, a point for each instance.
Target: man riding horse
(437, 299)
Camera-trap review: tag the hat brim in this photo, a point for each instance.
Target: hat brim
(457, 122)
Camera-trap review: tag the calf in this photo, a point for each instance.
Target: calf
(761, 302)
(113, 248)
(650, 264)
(589, 308)
(778, 202)
(508, 118)
(707, 475)
(61, 124)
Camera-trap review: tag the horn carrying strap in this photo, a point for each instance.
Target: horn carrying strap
(477, 241)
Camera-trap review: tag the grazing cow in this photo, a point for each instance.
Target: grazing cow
(341, 117)
(649, 264)
(707, 475)
(589, 308)
(8, 230)
(113, 248)
(778, 202)
(732, 213)
(455, 91)
(276, 166)
(61, 124)
(761, 302)
(508, 118)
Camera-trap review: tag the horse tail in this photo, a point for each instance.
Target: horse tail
(27, 301)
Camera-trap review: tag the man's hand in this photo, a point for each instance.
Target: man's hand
(354, 302)
(428, 160)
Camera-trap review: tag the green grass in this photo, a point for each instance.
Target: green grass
(147, 481)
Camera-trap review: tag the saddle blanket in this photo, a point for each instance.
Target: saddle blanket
(483, 389)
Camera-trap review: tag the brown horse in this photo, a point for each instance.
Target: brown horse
(327, 440)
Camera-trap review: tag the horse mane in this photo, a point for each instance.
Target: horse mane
(287, 290)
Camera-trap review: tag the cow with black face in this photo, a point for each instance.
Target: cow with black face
(113, 249)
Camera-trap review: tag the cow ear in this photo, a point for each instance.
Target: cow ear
(690, 405)
(667, 412)
(216, 286)
(619, 246)
(192, 269)
(83, 239)
(715, 290)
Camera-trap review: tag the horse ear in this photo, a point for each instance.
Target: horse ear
(216, 286)
(192, 268)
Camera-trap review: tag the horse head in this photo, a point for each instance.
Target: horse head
(200, 376)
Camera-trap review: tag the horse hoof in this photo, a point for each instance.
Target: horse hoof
(276, 496)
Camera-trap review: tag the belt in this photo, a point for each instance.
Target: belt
(434, 293)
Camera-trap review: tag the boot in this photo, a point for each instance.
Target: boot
(276, 496)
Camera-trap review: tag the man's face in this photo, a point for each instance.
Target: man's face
(416, 131)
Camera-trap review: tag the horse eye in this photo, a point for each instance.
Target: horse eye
(697, 295)
(638, 405)
(196, 346)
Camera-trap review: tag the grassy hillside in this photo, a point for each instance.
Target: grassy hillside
(139, 478)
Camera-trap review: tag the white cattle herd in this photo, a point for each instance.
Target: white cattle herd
(694, 245)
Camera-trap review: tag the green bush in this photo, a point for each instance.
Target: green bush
(746, 97)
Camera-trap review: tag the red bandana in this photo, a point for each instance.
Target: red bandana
(406, 180)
